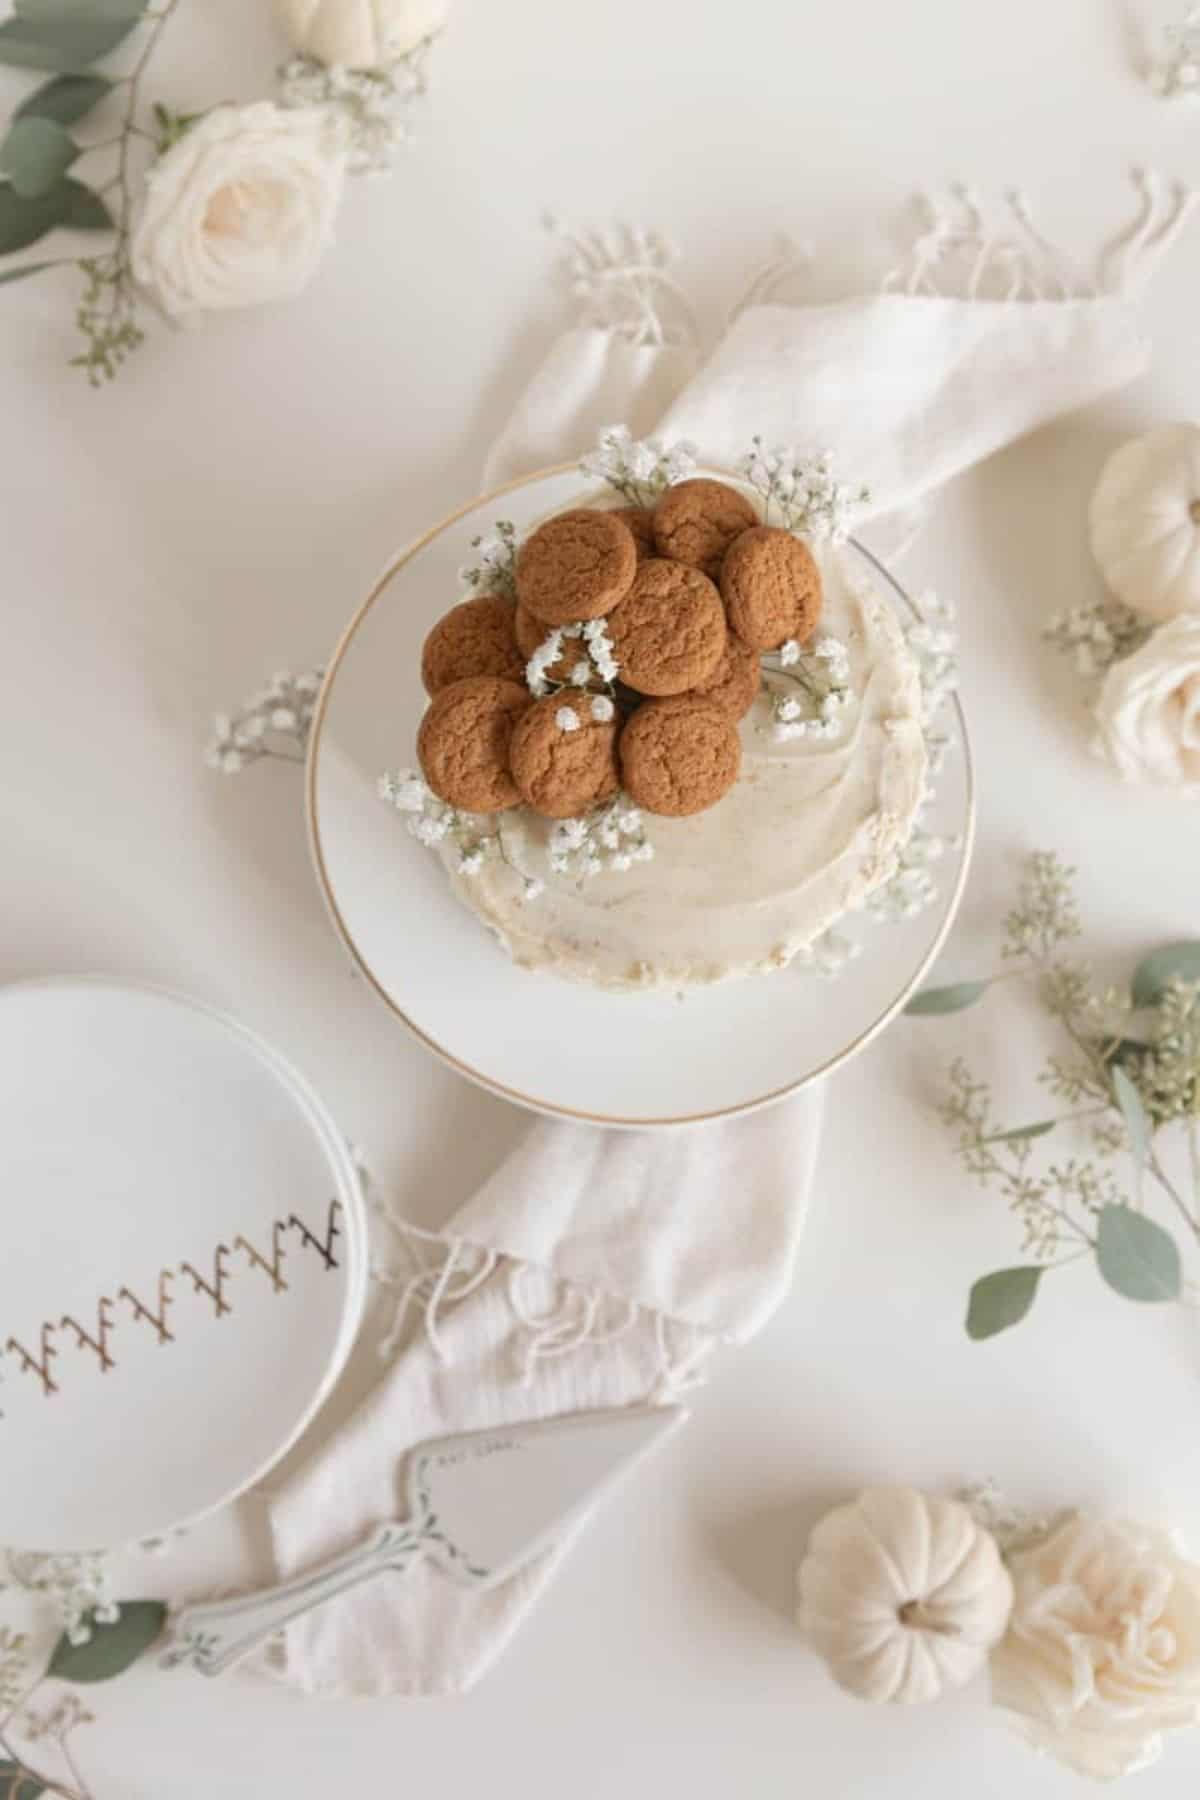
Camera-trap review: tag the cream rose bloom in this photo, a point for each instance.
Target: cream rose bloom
(1102, 1652)
(240, 210)
(360, 34)
(1148, 710)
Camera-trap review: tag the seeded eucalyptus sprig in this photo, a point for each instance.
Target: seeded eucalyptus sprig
(41, 155)
(1130, 1079)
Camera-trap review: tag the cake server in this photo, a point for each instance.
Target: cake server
(480, 1505)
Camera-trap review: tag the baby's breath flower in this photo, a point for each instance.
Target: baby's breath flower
(367, 105)
(567, 719)
(931, 641)
(434, 824)
(1097, 636)
(599, 660)
(812, 704)
(829, 954)
(1177, 70)
(493, 570)
(911, 889)
(610, 838)
(638, 471)
(78, 1585)
(602, 709)
(804, 490)
(275, 721)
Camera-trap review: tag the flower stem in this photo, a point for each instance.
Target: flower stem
(1164, 1181)
(45, 1782)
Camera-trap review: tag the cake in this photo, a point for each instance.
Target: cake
(718, 753)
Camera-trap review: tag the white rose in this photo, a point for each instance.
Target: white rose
(1148, 710)
(360, 34)
(1102, 1653)
(240, 209)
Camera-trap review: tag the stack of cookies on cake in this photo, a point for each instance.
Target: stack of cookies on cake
(626, 659)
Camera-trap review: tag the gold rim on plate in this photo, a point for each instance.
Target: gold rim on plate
(488, 1082)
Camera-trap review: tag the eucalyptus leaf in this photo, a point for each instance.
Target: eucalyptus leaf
(957, 998)
(35, 156)
(1137, 1124)
(7, 275)
(1001, 1300)
(62, 41)
(1137, 1258)
(38, 10)
(65, 99)
(1152, 974)
(1020, 1132)
(110, 1649)
(84, 210)
(23, 222)
(17, 1783)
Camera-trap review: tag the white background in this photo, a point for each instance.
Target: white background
(220, 512)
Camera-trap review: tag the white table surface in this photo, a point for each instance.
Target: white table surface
(220, 511)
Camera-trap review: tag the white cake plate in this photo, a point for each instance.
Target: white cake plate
(625, 1059)
(184, 1267)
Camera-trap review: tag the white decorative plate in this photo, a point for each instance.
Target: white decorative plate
(634, 1059)
(184, 1265)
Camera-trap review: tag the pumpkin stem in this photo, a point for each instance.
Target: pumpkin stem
(913, 1614)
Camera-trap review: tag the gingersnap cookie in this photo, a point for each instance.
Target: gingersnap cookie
(669, 632)
(532, 634)
(735, 683)
(477, 637)
(577, 566)
(640, 520)
(563, 757)
(772, 588)
(696, 521)
(679, 756)
(463, 742)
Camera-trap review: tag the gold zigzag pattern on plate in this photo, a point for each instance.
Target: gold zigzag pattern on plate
(216, 1283)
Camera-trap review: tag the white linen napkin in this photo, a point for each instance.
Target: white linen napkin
(599, 1268)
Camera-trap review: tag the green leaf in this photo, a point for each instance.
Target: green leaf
(84, 210)
(38, 10)
(65, 99)
(17, 1783)
(1137, 1258)
(7, 275)
(111, 1648)
(50, 34)
(1133, 1112)
(1001, 1300)
(36, 155)
(1020, 1132)
(947, 999)
(1152, 974)
(23, 222)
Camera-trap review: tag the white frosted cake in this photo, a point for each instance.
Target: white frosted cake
(811, 818)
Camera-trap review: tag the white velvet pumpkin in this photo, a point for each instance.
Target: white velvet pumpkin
(903, 1594)
(1145, 522)
(360, 34)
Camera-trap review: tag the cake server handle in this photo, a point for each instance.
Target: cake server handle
(216, 1634)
